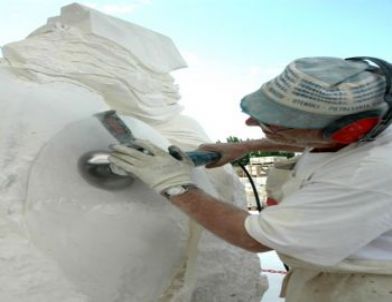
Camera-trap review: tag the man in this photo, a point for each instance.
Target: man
(333, 223)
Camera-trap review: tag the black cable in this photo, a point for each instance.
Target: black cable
(258, 203)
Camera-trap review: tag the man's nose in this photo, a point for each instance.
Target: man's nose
(251, 121)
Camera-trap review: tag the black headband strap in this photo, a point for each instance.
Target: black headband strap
(386, 69)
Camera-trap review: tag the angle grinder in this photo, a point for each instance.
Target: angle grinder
(95, 167)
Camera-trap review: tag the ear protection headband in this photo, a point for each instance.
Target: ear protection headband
(364, 126)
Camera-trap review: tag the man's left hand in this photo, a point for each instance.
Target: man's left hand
(154, 166)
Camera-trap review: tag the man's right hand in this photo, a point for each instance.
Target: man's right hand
(229, 151)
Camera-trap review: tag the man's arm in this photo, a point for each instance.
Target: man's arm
(158, 169)
(220, 218)
(233, 151)
(269, 145)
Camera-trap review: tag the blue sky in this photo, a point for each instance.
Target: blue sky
(233, 46)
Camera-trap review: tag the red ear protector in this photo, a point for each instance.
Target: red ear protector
(364, 126)
(352, 128)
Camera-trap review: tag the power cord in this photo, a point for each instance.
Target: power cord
(260, 208)
(257, 198)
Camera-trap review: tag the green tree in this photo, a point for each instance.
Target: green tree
(243, 160)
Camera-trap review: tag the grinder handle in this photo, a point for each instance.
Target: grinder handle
(199, 158)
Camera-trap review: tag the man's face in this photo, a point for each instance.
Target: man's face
(290, 136)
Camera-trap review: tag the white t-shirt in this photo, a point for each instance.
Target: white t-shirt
(343, 208)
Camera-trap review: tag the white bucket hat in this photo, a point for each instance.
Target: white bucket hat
(313, 92)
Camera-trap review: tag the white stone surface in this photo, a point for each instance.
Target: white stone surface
(62, 239)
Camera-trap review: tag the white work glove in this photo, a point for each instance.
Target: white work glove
(154, 166)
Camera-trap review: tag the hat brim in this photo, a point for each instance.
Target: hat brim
(265, 110)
